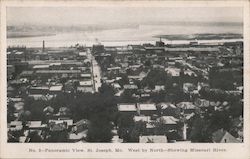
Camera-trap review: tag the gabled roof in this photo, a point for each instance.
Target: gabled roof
(169, 120)
(222, 136)
(48, 109)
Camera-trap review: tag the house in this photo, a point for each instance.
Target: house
(175, 72)
(27, 74)
(186, 107)
(41, 97)
(203, 104)
(153, 139)
(36, 125)
(76, 137)
(80, 126)
(48, 110)
(222, 136)
(127, 108)
(55, 89)
(85, 86)
(60, 125)
(85, 76)
(64, 111)
(39, 90)
(142, 118)
(190, 73)
(168, 122)
(57, 127)
(85, 89)
(15, 126)
(86, 83)
(188, 87)
(23, 139)
(159, 88)
(168, 109)
(18, 106)
(147, 108)
(130, 86)
(79, 130)
(40, 67)
(116, 86)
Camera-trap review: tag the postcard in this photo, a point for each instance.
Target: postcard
(125, 79)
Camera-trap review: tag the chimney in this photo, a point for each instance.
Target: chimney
(43, 45)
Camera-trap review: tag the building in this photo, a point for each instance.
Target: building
(168, 122)
(147, 108)
(55, 89)
(186, 107)
(153, 139)
(222, 136)
(98, 48)
(127, 108)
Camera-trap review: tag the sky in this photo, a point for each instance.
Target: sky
(68, 16)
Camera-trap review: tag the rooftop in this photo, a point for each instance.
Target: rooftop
(168, 120)
(147, 106)
(222, 136)
(153, 139)
(40, 66)
(57, 71)
(56, 88)
(142, 118)
(186, 105)
(126, 107)
(86, 83)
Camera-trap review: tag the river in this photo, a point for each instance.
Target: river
(121, 37)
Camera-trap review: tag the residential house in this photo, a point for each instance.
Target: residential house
(186, 107)
(153, 139)
(127, 108)
(222, 136)
(147, 108)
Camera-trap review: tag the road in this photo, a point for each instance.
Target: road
(96, 71)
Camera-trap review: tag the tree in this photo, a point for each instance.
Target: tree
(125, 124)
(106, 89)
(100, 129)
(138, 130)
(34, 137)
(199, 131)
(155, 77)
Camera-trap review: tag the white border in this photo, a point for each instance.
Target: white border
(19, 150)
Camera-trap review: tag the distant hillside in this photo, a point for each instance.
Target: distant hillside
(201, 36)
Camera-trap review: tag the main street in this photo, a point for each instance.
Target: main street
(95, 70)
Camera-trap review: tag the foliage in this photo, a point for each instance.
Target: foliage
(99, 129)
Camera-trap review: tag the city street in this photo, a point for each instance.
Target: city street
(96, 71)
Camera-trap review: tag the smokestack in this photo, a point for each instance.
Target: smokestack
(43, 45)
